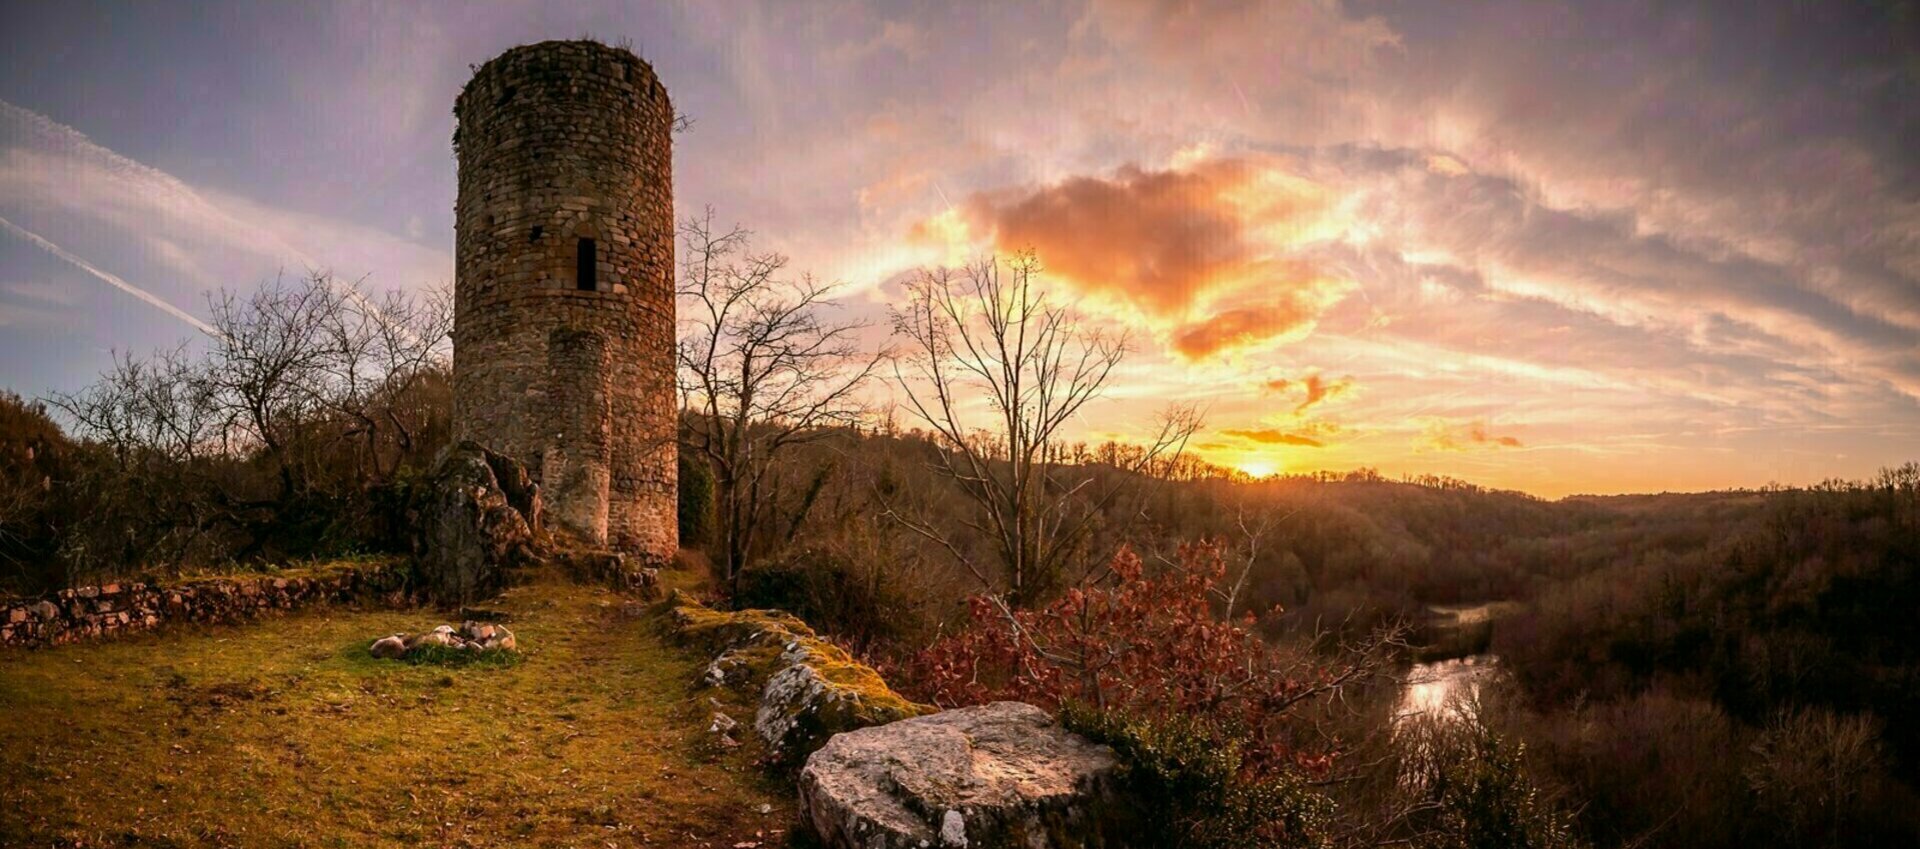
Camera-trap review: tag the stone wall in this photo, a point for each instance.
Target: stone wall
(111, 610)
(560, 143)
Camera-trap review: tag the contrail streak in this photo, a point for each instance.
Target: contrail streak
(110, 278)
(159, 187)
(168, 193)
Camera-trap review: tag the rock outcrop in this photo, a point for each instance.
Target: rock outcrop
(478, 516)
(998, 775)
(809, 689)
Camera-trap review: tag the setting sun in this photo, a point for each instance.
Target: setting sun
(1256, 468)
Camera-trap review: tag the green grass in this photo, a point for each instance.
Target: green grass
(450, 656)
(287, 733)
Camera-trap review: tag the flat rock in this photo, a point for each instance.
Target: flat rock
(997, 775)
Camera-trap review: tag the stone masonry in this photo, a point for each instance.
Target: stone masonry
(111, 610)
(564, 294)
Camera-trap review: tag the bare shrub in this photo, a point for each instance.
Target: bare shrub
(997, 371)
(1466, 786)
(762, 369)
(1818, 774)
(309, 400)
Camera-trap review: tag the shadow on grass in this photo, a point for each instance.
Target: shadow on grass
(448, 656)
(359, 658)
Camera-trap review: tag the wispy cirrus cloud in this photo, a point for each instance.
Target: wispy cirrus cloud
(1272, 436)
(110, 279)
(121, 212)
(1314, 388)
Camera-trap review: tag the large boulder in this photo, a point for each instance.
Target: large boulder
(998, 775)
(809, 689)
(818, 690)
(477, 516)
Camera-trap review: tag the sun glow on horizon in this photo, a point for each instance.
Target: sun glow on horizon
(1257, 468)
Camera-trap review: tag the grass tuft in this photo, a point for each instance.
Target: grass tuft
(452, 657)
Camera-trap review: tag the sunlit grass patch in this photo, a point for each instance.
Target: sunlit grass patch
(287, 732)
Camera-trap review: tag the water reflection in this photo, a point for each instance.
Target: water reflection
(1430, 686)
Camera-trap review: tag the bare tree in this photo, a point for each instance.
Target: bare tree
(996, 370)
(761, 368)
(307, 395)
(156, 410)
(375, 357)
(153, 423)
(264, 370)
(288, 357)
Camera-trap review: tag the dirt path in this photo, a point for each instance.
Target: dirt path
(286, 733)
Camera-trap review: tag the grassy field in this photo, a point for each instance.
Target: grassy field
(286, 733)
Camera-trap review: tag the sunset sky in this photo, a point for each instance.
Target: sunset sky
(1565, 248)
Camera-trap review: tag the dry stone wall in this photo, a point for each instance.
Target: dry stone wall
(109, 610)
(564, 295)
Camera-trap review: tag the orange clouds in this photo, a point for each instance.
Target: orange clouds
(1243, 327)
(1443, 436)
(1269, 436)
(1315, 387)
(1157, 237)
(1207, 254)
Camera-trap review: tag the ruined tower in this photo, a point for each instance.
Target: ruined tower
(564, 329)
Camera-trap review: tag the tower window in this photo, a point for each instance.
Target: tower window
(535, 235)
(585, 270)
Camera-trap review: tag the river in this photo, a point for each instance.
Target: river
(1430, 686)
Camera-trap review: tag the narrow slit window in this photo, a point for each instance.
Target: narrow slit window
(586, 271)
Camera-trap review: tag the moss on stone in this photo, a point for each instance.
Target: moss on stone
(695, 624)
(810, 689)
(744, 670)
(363, 567)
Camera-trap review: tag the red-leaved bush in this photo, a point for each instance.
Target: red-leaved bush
(1140, 644)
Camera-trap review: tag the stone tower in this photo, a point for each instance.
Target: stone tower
(563, 301)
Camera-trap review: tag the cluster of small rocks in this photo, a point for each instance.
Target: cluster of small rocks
(470, 636)
(107, 610)
(594, 565)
